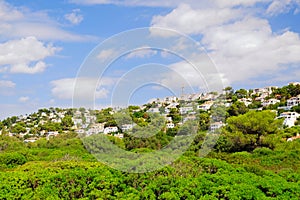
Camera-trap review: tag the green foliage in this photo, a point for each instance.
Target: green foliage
(20, 127)
(219, 113)
(287, 92)
(204, 119)
(67, 122)
(251, 130)
(296, 109)
(174, 113)
(187, 178)
(255, 105)
(237, 108)
(12, 159)
(241, 93)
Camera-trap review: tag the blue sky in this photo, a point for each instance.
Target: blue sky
(43, 44)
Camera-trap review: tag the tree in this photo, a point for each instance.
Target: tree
(229, 92)
(255, 105)
(67, 122)
(249, 131)
(218, 113)
(18, 128)
(237, 108)
(174, 113)
(241, 93)
(204, 120)
(296, 109)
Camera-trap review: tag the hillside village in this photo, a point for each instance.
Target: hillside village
(210, 109)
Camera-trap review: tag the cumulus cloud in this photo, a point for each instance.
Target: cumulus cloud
(143, 52)
(6, 87)
(18, 22)
(74, 17)
(281, 6)
(23, 99)
(242, 45)
(25, 55)
(187, 20)
(249, 48)
(80, 88)
(172, 3)
(7, 84)
(107, 54)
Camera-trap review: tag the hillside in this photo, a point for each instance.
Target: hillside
(252, 138)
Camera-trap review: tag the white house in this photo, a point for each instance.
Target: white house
(189, 118)
(126, 127)
(170, 99)
(112, 129)
(289, 118)
(52, 134)
(119, 135)
(30, 140)
(184, 110)
(170, 125)
(79, 131)
(215, 126)
(246, 101)
(153, 110)
(168, 119)
(96, 128)
(205, 106)
(294, 83)
(172, 105)
(293, 138)
(294, 101)
(269, 102)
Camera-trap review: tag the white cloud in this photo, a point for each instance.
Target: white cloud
(6, 87)
(143, 52)
(281, 6)
(85, 88)
(171, 3)
(249, 48)
(107, 54)
(18, 22)
(75, 17)
(187, 20)
(25, 55)
(243, 46)
(13, 13)
(23, 99)
(7, 84)
(153, 3)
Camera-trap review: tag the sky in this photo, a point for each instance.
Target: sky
(117, 52)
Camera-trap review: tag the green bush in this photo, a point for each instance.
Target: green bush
(12, 159)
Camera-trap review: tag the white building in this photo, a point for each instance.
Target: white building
(119, 135)
(51, 134)
(246, 101)
(205, 106)
(31, 140)
(294, 101)
(154, 110)
(170, 99)
(215, 126)
(170, 125)
(269, 102)
(168, 119)
(109, 130)
(185, 110)
(96, 128)
(289, 118)
(127, 127)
